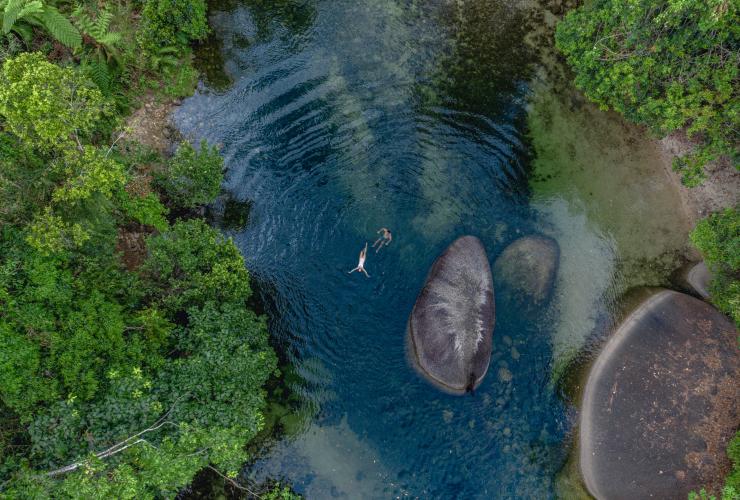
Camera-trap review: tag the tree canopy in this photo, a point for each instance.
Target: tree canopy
(667, 64)
(120, 380)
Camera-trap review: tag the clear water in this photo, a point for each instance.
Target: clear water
(345, 116)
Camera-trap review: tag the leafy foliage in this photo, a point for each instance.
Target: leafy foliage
(45, 105)
(21, 15)
(668, 64)
(118, 382)
(280, 493)
(718, 239)
(172, 23)
(194, 264)
(105, 58)
(98, 29)
(194, 176)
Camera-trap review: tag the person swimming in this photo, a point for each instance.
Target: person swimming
(385, 238)
(361, 264)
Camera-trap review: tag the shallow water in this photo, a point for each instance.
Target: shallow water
(342, 117)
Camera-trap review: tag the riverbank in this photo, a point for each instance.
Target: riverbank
(150, 124)
(720, 190)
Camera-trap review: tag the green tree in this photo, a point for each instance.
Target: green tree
(668, 64)
(193, 264)
(115, 383)
(45, 105)
(172, 23)
(193, 176)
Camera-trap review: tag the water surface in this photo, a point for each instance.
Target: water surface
(341, 117)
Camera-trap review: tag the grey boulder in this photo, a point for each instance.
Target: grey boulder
(450, 328)
(661, 402)
(526, 269)
(698, 278)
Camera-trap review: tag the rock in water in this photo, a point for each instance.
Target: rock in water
(450, 328)
(526, 269)
(661, 402)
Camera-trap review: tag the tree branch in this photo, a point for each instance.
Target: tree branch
(114, 143)
(232, 481)
(123, 445)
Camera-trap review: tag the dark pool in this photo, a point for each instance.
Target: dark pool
(345, 116)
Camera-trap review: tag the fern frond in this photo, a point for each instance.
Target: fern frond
(97, 28)
(11, 13)
(99, 73)
(17, 10)
(33, 7)
(102, 23)
(24, 31)
(60, 27)
(109, 39)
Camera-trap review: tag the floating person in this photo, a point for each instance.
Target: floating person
(361, 264)
(385, 238)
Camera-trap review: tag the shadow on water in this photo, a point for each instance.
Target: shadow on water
(342, 117)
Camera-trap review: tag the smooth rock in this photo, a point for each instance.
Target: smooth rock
(526, 269)
(698, 278)
(661, 402)
(450, 328)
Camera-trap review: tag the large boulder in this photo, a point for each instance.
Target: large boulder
(661, 402)
(526, 269)
(450, 328)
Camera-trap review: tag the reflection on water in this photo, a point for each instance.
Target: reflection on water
(346, 116)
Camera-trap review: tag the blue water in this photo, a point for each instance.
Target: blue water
(343, 117)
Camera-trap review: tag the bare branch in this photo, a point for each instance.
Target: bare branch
(123, 445)
(114, 143)
(232, 481)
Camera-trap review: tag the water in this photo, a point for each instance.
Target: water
(341, 117)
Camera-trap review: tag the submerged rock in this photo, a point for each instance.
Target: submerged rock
(450, 328)
(526, 269)
(661, 402)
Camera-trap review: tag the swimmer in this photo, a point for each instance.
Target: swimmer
(385, 238)
(361, 264)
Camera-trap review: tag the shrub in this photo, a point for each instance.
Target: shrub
(194, 176)
(718, 239)
(167, 23)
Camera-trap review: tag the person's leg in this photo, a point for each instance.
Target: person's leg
(379, 240)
